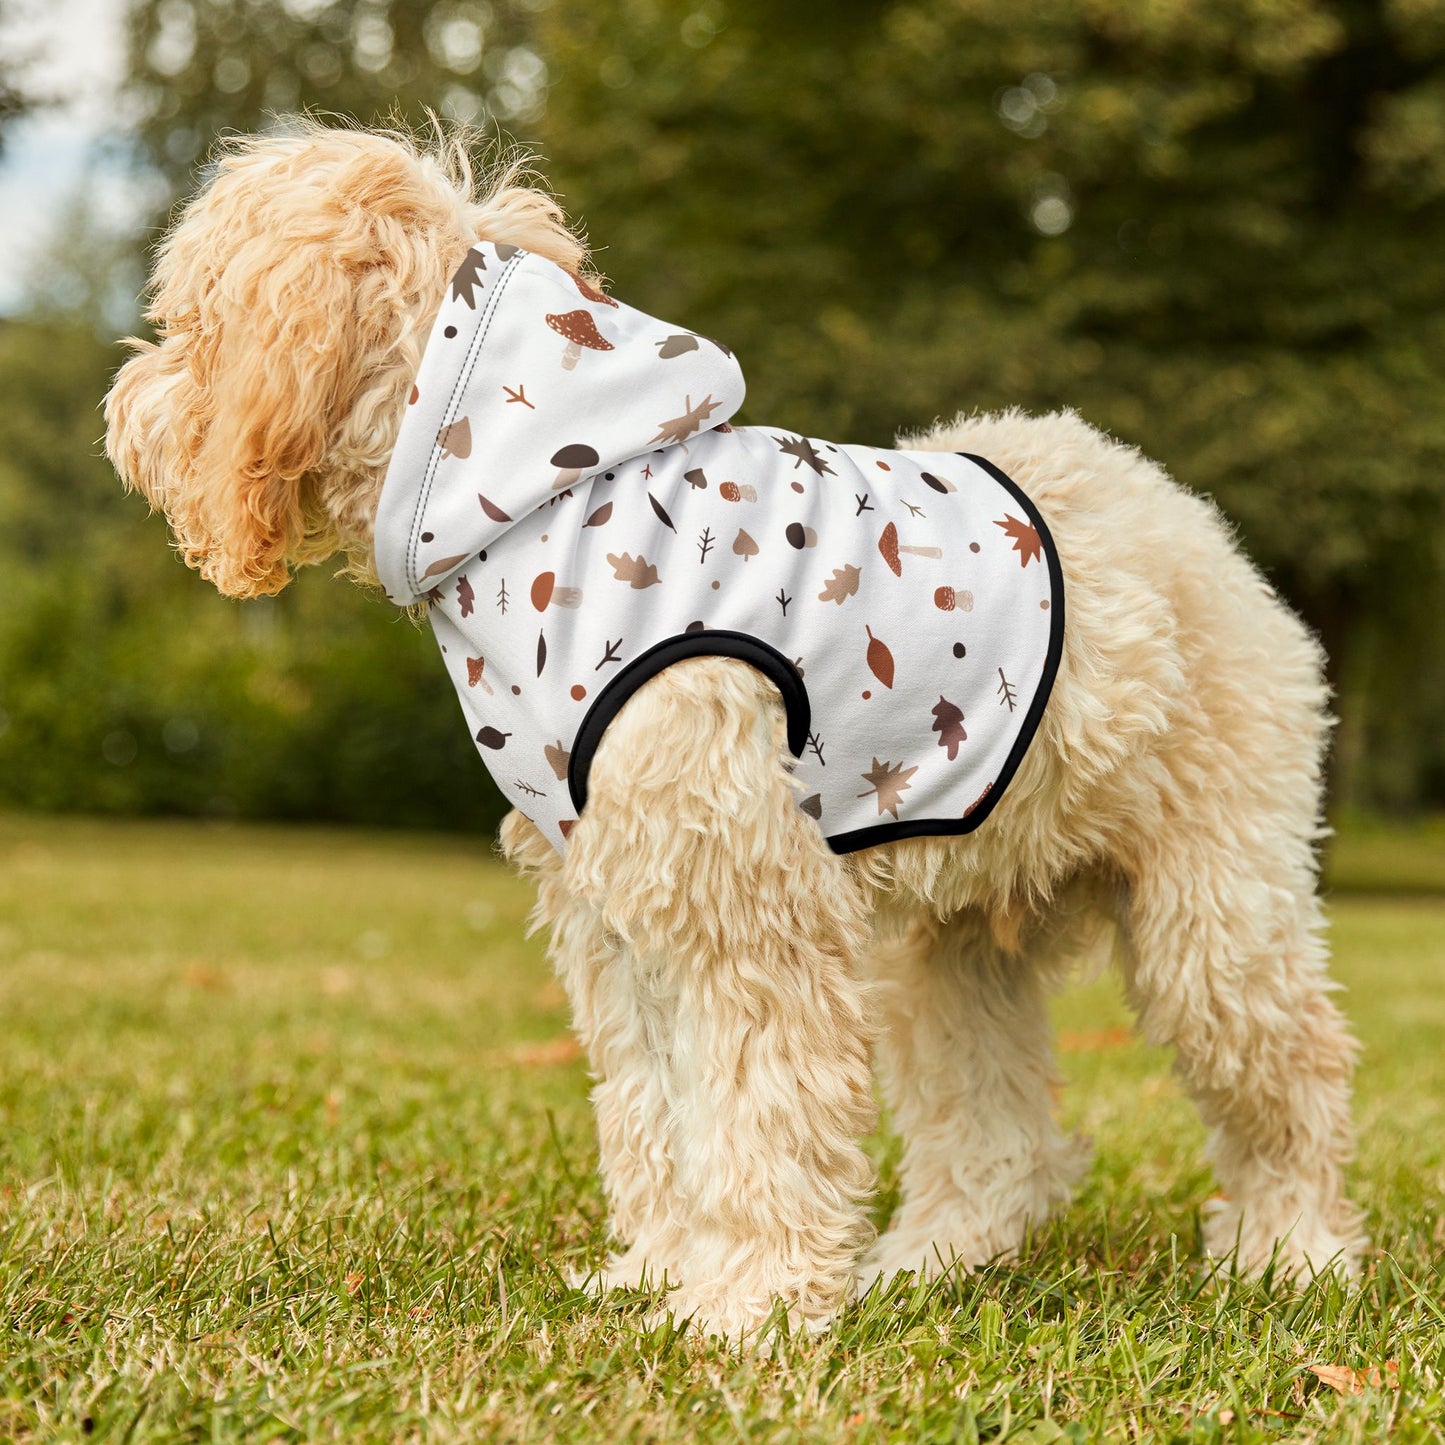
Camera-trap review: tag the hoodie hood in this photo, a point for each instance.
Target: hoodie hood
(531, 381)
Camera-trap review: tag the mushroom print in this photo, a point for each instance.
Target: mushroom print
(546, 593)
(947, 598)
(574, 459)
(579, 330)
(890, 547)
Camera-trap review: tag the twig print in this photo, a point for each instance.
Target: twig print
(611, 655)
(528, 789)
(1006, 692)
(816, 744)
(782, 599)
(916, 511)
(503, 597)
(862, 504)
(704, 543)
(520, 394)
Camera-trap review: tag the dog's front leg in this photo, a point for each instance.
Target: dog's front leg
(742, 929)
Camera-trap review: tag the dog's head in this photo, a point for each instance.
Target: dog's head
(291, 302)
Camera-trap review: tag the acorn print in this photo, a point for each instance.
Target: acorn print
(800, 536)
(939, 484)
(732, 492)
(890, 547)
(947, 598)
(546, 593)
(579, 330)
(455, 440)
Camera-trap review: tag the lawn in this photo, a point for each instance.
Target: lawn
(293, 1145)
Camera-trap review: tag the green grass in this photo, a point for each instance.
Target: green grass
(284, 1154)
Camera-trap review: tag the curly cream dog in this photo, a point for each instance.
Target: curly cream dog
(731, 977)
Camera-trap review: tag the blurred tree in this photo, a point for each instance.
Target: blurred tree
(15, 98)
(1217, 229)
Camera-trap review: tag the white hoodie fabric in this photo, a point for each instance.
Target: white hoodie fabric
(568, 495)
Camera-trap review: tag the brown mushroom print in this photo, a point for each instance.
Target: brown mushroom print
(573, 459)
(476, 667)
(546, 593)
(890, 547)
(578, 329)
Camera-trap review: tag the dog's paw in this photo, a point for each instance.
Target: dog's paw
(756, 1325)
(1297, 1245)
(632, 1270)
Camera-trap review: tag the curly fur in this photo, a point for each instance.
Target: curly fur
(729, 975)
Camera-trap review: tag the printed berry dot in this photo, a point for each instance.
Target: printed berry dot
(544, 536)
(959, 650)
(578, 692)
(1045, 604)
(797, 486)
(444, 647)
(450, 332)
(516, 691)
(883, 466)
(428, 537)
(715, 586)
(611, 475)
(973, 546)
(481, 556)
(866, 695)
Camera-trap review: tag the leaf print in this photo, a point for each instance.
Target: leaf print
(600, 517)
(744, 545)
(1027, 542)
(948, 724)
(889, 785)
(638, 572)
(566, 825)
(541, 652)
(841, 585)
(692, 418)
(880, 660)
(455, 440)
(675, 346)
(801, 450)
(468, 277)
(492, 509)
(491, 738)
(812, 806)
(557, 758)
(466, 598)
(661, 512)
(443, 565)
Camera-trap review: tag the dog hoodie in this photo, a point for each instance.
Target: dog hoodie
(569, 496)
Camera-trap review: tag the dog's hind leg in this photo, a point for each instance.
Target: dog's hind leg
(694, 852)
(966, 1059)
(1225, 961)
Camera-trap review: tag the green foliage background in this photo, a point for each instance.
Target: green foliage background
(1215, 227)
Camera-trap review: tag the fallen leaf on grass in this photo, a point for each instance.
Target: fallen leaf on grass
(354, 1283)
(1101, 1039)
(1347, 1381)
(554, 1051)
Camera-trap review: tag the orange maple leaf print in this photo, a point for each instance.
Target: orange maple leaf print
(1027, 542)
